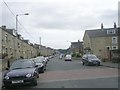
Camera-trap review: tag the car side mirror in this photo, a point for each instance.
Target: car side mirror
(7, 68)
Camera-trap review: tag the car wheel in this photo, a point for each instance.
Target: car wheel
(83, 63)
(42, 70)
(38, 75)
(45, 68)
(98, 64)
(34, 83)
(7, 86)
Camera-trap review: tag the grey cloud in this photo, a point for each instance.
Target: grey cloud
(55, 16)
(110, 15)
(7, 18)
(119, 14)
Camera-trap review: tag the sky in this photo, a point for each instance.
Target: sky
(58, 22)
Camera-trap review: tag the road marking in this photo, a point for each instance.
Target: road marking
(77, 79)
(53, 76)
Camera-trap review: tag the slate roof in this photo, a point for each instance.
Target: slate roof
(76, 44)
(101, 32)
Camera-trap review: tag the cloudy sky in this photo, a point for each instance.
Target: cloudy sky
(58, 22)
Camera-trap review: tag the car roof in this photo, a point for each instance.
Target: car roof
(68, 54)
(22, 60)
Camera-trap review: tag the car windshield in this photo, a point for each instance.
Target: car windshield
(21, 65)
(38, 60)
(92, 57)
(68, 55)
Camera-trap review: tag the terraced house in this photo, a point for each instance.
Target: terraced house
(76, 47)
(14, 47)
(101, 42)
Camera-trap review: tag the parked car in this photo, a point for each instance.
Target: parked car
(41, 64)
(61, 56)
(21, 72)
(90, 59)
(51, 57)
(47, 58)
(68, 57)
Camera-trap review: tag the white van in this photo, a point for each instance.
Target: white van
(68, 58)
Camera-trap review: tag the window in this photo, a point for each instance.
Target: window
(114, 47)
(110, 31)
(6, 49)
(108, 47)
(14, 32)
(6, 37)
(18, 45)
(3, 49)
(114, 40)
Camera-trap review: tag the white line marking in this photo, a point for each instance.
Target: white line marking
(86, 78)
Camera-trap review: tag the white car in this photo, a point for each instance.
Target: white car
(68, 58)
(61, 56)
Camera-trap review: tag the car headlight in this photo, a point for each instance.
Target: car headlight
(41, 64)
(7, 77)
(29, 75)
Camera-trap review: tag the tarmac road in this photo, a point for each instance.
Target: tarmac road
(72, 74)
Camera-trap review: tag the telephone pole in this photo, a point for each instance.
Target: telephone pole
(40, 40)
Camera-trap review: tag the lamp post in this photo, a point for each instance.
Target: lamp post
(15, 48)
(70, 48)
(17, 19)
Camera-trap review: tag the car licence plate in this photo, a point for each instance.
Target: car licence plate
(95, 62)
(17, 81)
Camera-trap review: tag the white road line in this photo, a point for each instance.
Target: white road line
(86, 78)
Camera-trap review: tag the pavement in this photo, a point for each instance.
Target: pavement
(111, 65)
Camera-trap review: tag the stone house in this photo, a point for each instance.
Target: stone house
(101, 41)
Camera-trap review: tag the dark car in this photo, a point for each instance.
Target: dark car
(90, 59)
(21, 72)
(39, 61)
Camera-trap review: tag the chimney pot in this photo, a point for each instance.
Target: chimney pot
(4, 27)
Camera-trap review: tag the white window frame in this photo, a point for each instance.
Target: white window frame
(108, 47)
(111, 32)
(114, 48)
(114, 40)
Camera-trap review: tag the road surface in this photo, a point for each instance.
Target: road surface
(72, 74)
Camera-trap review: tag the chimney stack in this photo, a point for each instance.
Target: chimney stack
(4, 27)
(115, 26)
(102, 26)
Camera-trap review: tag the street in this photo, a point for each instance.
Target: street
(72, 74)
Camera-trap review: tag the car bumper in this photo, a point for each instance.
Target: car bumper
(94, 63)
(25, 81)
(68, 59)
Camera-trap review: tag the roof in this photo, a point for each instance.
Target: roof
(76, 44)
(101, 32)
